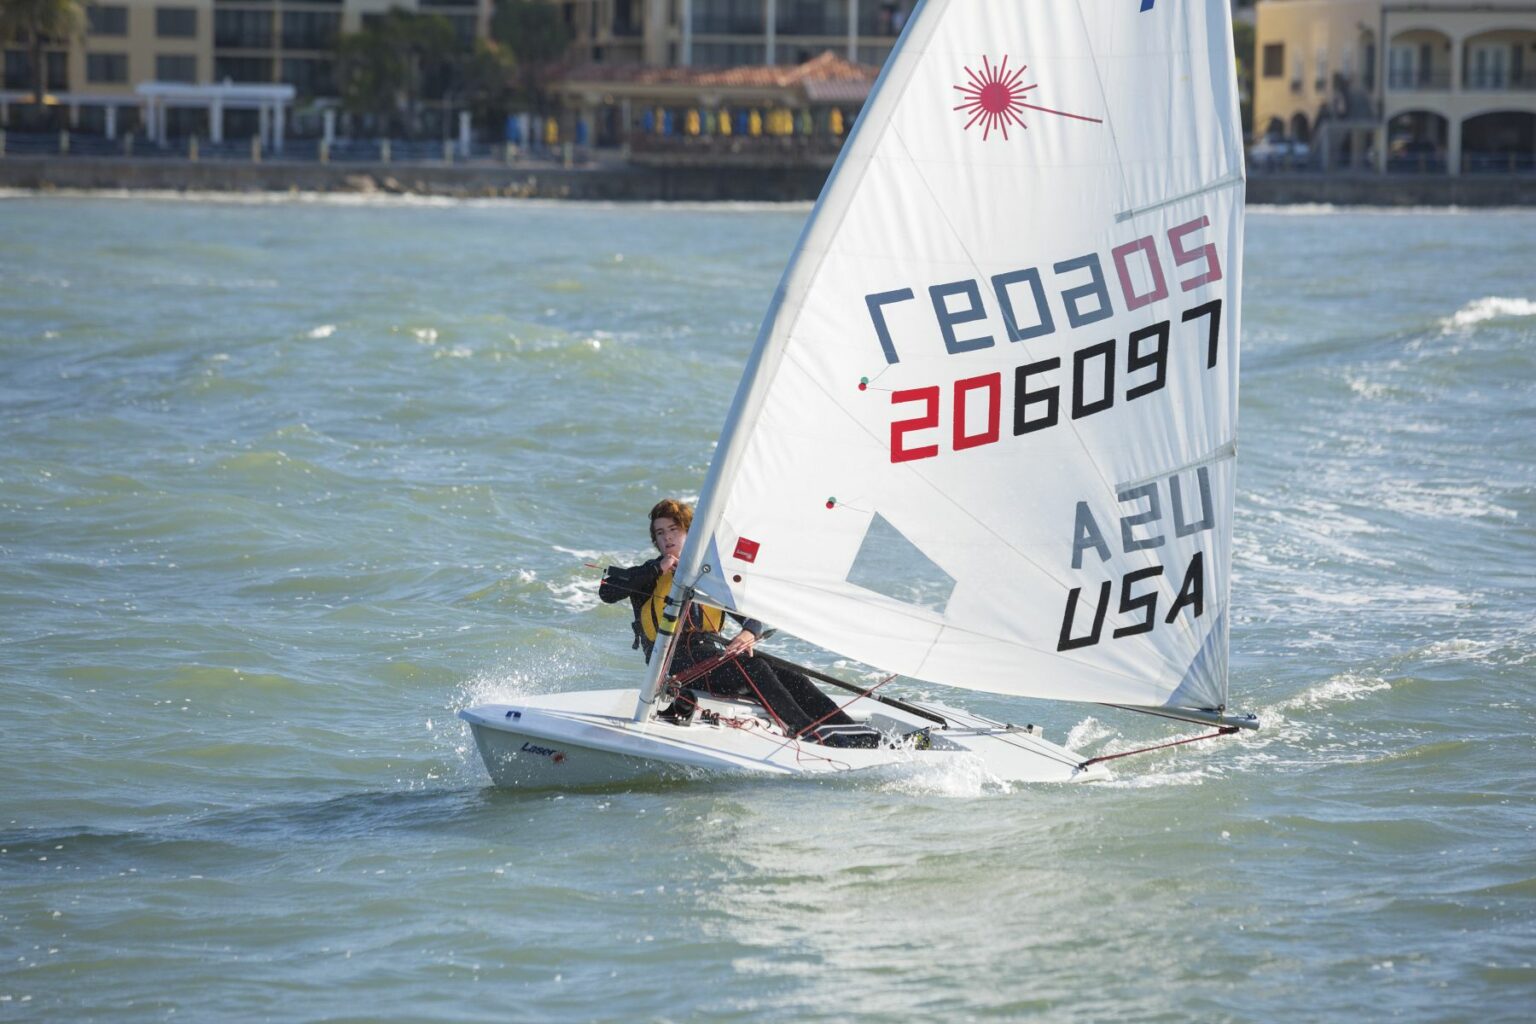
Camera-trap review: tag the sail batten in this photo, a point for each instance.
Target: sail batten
(994, 313)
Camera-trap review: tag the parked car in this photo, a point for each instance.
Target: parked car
(1272, 152)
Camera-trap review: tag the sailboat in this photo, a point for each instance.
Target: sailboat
(986, 436)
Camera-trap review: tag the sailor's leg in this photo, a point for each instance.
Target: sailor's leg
(821, 708)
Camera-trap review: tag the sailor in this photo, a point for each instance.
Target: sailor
(790, 697)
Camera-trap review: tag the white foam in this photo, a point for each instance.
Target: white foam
(1440, 502)
(577, 595)
(1154, 779)
(1344, 688)
(963, 777)
(1491, 307)
(323, 331)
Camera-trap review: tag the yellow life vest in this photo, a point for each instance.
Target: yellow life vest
(652, 611)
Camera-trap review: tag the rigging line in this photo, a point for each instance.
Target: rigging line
(1224, 731)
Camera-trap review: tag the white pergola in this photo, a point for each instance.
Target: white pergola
(269, 100)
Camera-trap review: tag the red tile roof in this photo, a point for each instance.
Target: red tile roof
(828, 67)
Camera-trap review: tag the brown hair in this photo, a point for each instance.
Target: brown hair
(679, 512)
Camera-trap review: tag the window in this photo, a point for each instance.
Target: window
(1274, 60)
(821, 18)
(310, 77)
(18, 71)
(310, 30)
(176, 69)
(176, 22)
(463, 29)
(727, 54)
(242, 69)
(242, 30)
(734, 17)
(110, 68)
(106, 21)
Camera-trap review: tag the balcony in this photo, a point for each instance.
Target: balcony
(1417, 80)
(1499, 81)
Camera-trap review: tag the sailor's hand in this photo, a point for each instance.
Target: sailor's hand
(741, 643)
(668, 563)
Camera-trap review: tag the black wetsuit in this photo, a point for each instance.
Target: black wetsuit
(789, 695)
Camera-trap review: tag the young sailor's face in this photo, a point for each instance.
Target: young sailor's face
(668, 536)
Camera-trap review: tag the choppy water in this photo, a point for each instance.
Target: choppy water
(284, 484)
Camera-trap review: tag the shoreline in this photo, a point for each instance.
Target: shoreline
(652, 183)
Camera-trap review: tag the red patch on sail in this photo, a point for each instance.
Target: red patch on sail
(746, 550)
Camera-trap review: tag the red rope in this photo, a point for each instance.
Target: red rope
(841, 707)
(1226, 731)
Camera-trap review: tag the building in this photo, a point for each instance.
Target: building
(249, 43)
(753, 113)
(1444, 86)
(732, 33)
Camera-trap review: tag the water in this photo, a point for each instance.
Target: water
(284, 484)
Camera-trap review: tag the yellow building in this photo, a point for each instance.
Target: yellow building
(1447, 85)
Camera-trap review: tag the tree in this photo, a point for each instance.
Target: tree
(402, 58)
(537, 37)
(383, 70)
(1243, 46)
(480, 81)
(41, 21)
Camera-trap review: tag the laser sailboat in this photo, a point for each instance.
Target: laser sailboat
(986, 436)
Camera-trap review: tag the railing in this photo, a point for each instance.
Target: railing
(1498, 163)
(1499, 81)
(1416, 163)
(738, 145)
(130, 145)
(1419, 81)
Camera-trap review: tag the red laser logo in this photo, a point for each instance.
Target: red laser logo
(994, 99)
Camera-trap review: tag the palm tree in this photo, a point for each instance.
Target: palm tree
(40, 21)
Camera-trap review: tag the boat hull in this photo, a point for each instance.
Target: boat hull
(588, 738)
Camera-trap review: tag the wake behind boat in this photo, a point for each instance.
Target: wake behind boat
(986, 437)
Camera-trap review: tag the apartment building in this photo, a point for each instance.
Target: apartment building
(732, 33)
(252, 45)
(1445, 86)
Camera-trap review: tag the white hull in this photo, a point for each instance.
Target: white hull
(589, 738)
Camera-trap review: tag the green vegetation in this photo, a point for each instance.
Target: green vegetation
(402, 59)
(538, 39)
(39, 22)
(1243, 46)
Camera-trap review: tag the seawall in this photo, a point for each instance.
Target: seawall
(663, 183)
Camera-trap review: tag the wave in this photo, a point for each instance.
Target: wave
(1490, 307)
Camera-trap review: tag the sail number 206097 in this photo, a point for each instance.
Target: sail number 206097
(976, 404)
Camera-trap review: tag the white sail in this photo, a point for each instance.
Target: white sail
(1001, 369)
